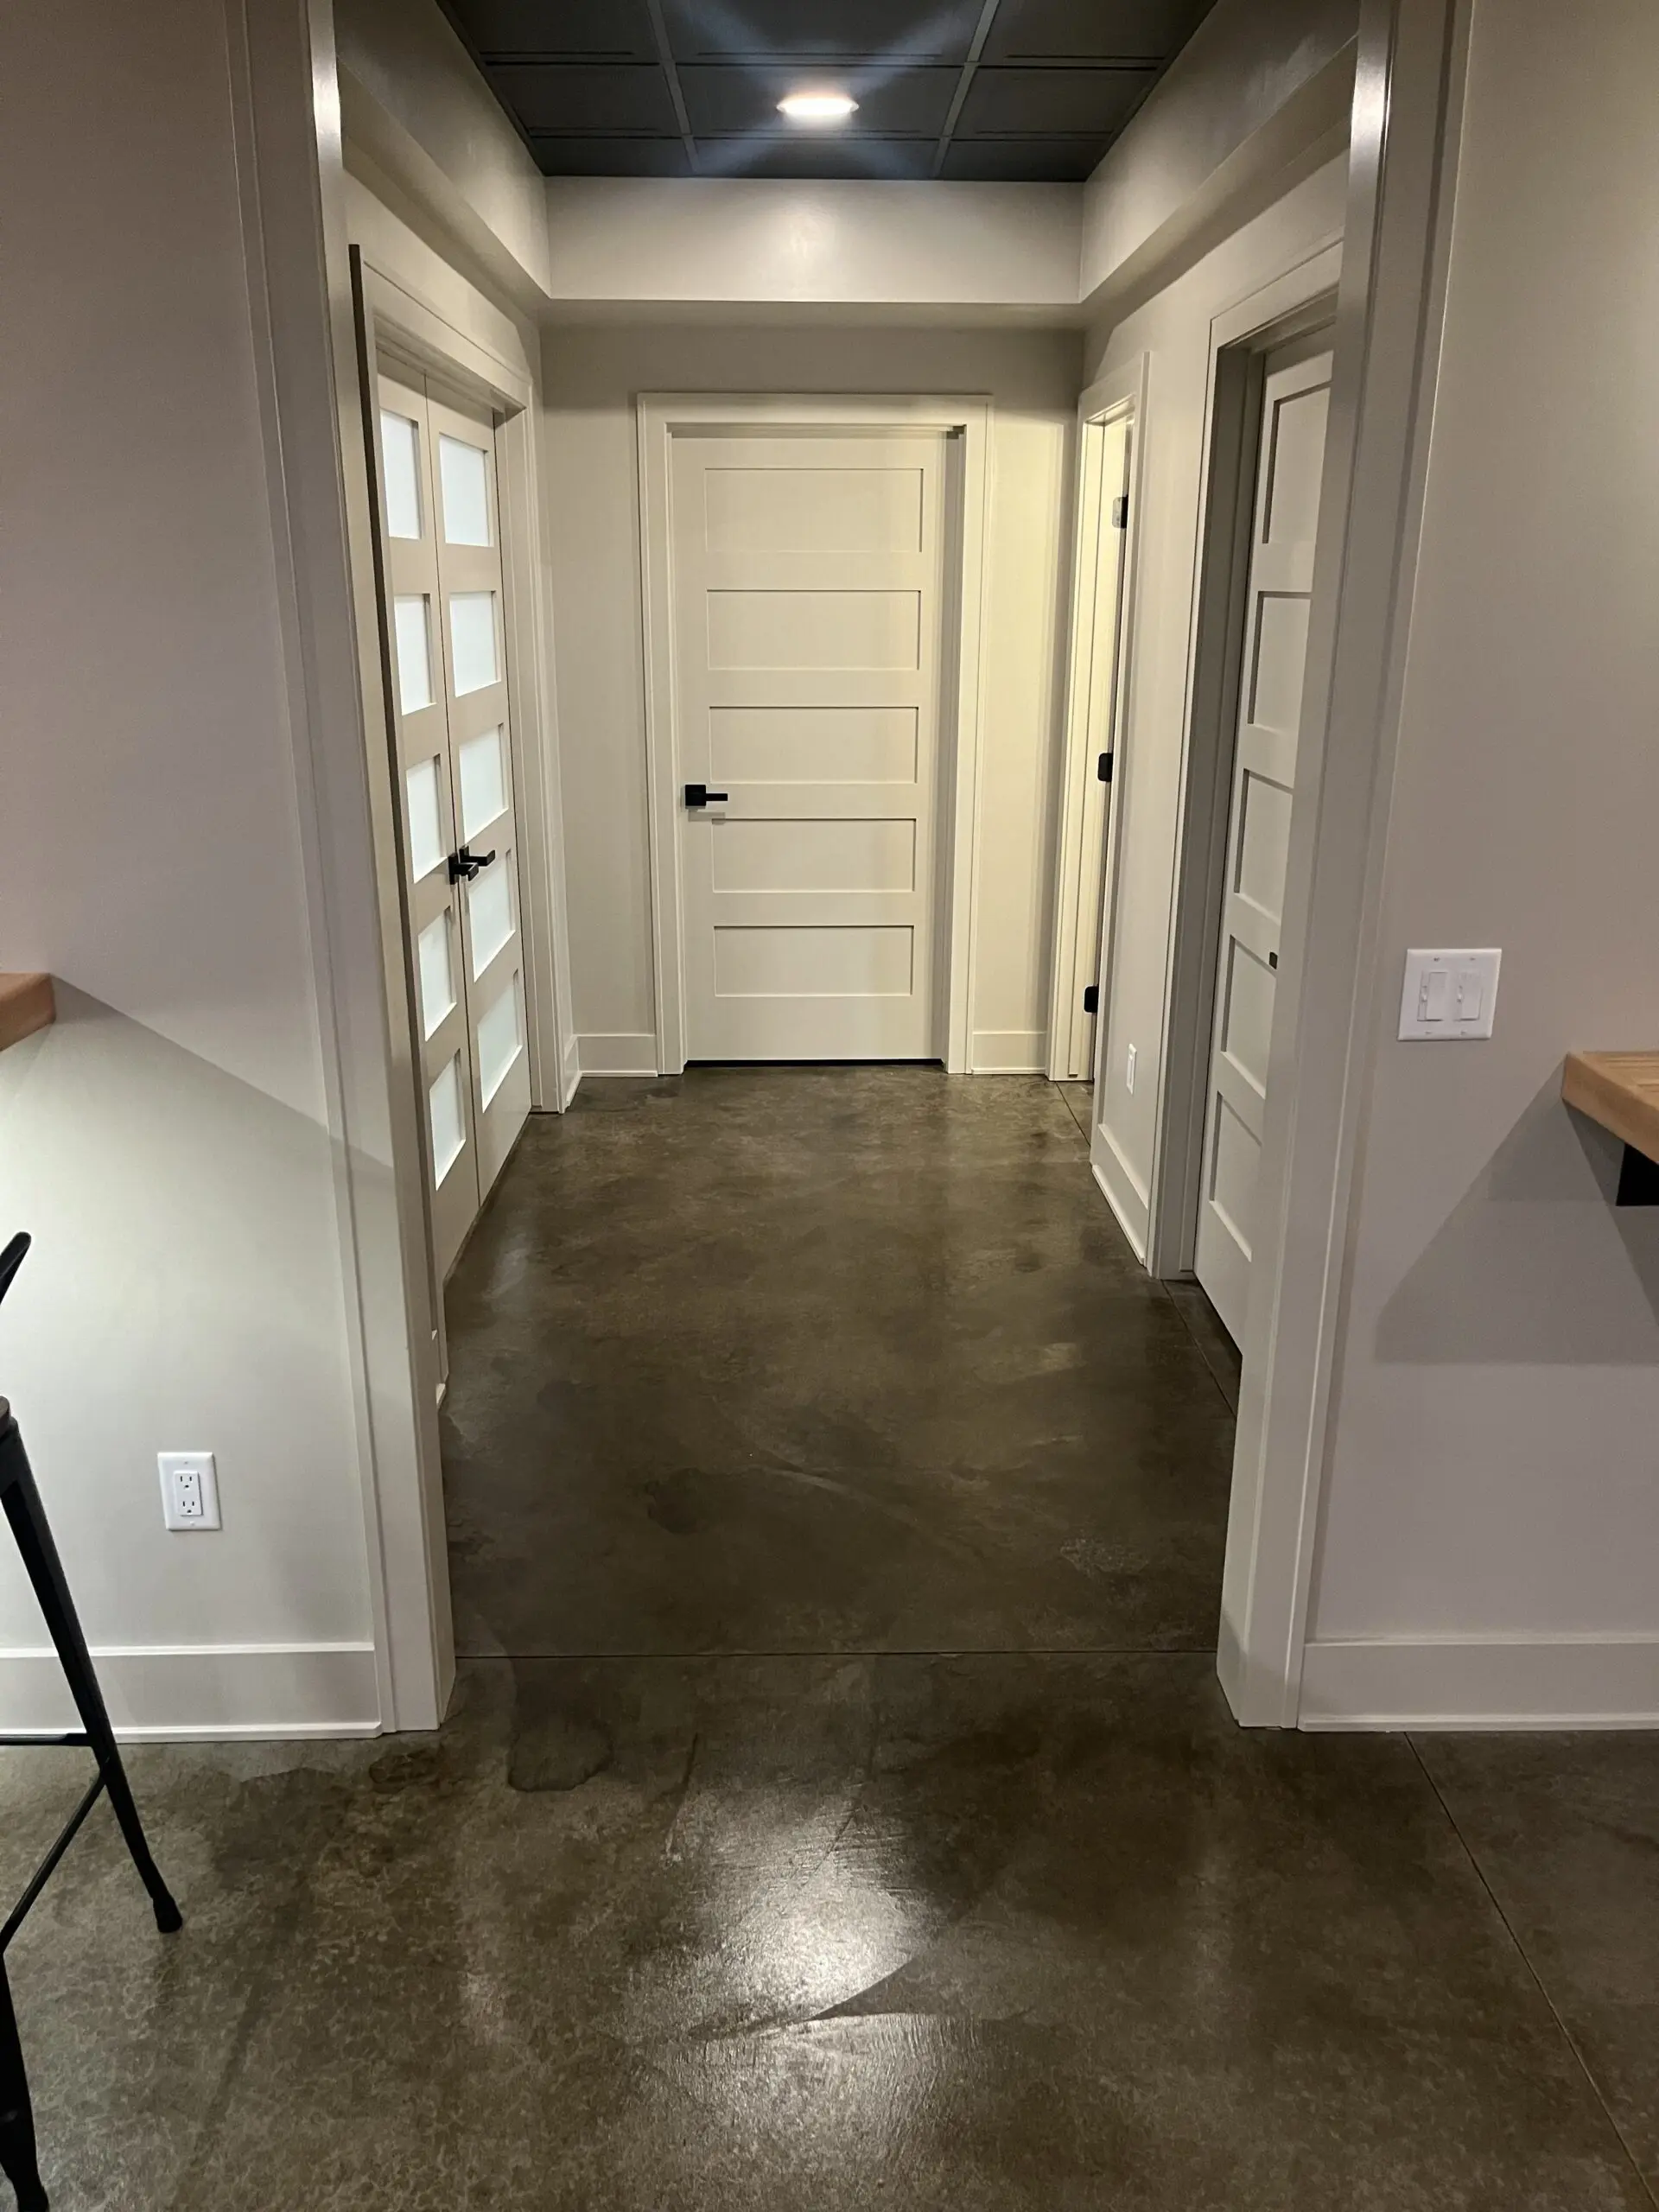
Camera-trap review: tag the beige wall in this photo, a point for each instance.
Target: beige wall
(1174, 329)
(168, 1143)
(590, 377)
(1495, 1470)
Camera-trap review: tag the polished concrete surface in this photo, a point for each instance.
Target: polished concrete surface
(792, 1919)
(823, 1359)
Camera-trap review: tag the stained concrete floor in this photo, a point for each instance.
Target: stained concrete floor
(1019, 1920)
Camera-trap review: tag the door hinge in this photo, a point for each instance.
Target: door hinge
(1121, 511)
(1103, 768)
(1091, 998)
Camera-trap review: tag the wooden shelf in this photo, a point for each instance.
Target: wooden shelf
(26, 1005)
(1621, 1091)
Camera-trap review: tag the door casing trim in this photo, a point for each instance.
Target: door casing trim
(660, 416)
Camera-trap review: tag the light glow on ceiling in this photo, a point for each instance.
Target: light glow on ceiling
(817, 107)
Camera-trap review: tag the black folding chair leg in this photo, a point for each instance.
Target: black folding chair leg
(18, 2155)
(33, 1533)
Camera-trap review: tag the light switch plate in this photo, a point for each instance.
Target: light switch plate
(1449, 995)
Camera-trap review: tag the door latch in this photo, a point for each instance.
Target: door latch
(467, 865)
(700, 795)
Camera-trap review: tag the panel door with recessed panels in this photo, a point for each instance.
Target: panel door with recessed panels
(807, 575)
(444, 616)
(1290, 465)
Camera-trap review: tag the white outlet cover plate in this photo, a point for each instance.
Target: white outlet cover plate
(1449, 996)
(176, 1493)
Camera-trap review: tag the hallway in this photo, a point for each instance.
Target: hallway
(807, 1359)
(886, 1839)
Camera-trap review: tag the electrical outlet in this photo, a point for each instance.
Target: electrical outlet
(1128, 1070)
(189, 1490)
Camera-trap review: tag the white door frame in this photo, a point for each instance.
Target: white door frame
(1302, 298)
(1402, 166)
(1120, 395)
(660, 416)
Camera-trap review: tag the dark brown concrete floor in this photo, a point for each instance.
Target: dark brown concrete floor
(823, 1359)
(956, 1930)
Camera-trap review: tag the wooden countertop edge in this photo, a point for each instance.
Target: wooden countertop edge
(1618, 1089)
(26, 1005)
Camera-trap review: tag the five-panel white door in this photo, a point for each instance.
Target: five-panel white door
(443, 563)
(807, 576)
(1291, 459)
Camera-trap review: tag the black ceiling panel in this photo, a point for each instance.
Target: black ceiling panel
(1092, 30)
(1043, 103)
(721, 102)
(560, 96)
(572, 156)
(556, 30)
(1017, 90)
(1022, 160)
(904, 30)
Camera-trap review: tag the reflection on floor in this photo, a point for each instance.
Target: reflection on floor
(961, 1929)
(822, 1359)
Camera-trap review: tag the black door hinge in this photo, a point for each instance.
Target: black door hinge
(1091, 998)
(1121, 511)
(1103, 768)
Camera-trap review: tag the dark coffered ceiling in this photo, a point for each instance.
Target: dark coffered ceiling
(1003, 90)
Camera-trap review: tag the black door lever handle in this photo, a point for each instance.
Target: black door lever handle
(466, 864)
(700, 795)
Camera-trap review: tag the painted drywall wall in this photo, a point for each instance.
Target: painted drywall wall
(1262, 85)
(650, 242)
(1494, 1475)
(168, 1144)
(1174, 329)
(412, 97)
(590, 376)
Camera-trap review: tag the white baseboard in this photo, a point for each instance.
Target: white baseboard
(630, 1052)
(569, 1072)
(179, 1692)
(1534, 1682)
(1010, 1051)
(1128, 1207)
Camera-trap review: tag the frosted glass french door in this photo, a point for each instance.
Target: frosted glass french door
(442, 565)
(808, 574)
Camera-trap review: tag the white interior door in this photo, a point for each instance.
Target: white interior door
(1105, 649)
(807, 590)
(442, 569)
(1291, 457)
(480, 748)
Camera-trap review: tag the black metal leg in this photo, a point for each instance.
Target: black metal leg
(18, 2155)
(33, 1533)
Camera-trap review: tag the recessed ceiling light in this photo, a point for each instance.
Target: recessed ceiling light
(817, 107)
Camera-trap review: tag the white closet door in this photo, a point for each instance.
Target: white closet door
(807, 598)
(414, 614)
(468, 555)
(1291, 459)
(1109, 514)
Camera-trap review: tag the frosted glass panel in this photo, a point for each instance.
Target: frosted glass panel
(483, 782)
(489, 909)
(425, 819)
(498, 1041)
(448, 1119)
(471, 640)
(437, 972)
(464, 473)
(414, 635)
(400, 447)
